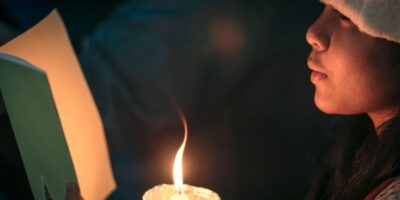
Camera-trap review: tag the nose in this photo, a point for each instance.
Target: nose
(317, 35)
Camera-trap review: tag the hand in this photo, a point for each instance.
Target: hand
(73, 192)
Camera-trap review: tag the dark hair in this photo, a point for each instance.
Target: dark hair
(359, 159)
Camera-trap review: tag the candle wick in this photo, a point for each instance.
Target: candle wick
(180, 191)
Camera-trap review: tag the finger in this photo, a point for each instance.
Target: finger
(73, 192)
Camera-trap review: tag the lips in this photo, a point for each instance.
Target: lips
(317, 73)
(317, 76)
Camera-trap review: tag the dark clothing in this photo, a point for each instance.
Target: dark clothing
(359, 160)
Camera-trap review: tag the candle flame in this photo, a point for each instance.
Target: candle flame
(178, 171)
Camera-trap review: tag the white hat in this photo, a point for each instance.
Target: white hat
(379, 18)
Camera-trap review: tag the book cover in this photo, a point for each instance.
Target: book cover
(49, 104)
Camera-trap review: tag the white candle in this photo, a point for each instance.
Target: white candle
(180, 191)
(169, 192)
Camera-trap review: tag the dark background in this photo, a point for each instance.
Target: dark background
(236, 68)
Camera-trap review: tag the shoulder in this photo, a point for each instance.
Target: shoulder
(391, 191)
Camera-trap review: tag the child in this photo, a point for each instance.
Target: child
(355, 63)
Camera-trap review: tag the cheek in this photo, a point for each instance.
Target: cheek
(354, 84)
(360, 88)
(360, 76)
(351, 94)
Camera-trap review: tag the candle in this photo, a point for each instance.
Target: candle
(169, 192)
(180, 191)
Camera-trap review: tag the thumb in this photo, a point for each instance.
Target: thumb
(73, 192)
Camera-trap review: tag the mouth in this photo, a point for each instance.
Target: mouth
(317, 74)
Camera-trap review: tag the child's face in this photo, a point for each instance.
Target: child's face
(352, 71)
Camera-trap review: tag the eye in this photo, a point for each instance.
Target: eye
(344, 18)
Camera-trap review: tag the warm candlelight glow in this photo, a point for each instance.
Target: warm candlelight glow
(180, 191)
(178, 169)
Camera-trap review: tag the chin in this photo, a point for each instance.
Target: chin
(327, 107)
(326, 110)
(334, 109)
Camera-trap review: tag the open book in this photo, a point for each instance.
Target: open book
(53, 115)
